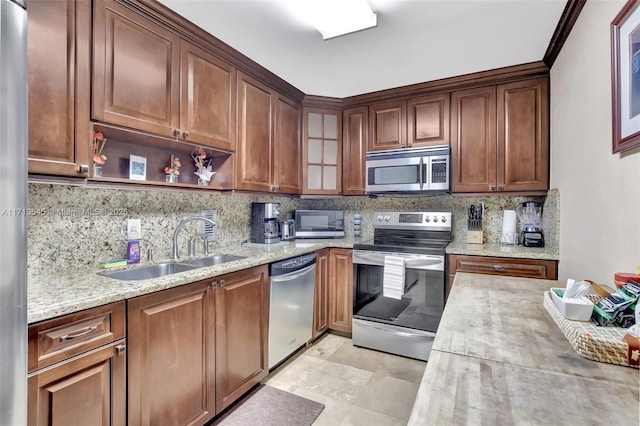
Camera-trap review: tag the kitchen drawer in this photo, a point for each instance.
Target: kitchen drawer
(526, 268)
(54, 340)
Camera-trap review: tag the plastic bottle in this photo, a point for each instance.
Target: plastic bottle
(133, 251)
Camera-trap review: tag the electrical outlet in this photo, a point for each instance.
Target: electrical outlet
(208, 230)
(134, 229)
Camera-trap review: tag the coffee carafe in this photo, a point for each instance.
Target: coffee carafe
(265, 224)
(530, 216)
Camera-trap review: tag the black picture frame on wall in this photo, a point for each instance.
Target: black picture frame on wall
(625, 77)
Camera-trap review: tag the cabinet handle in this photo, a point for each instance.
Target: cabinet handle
(83, 168)
(176, 132)
(213, 284)
(185, 134)
(499, 268)
(121, 350)
(221, 283)
(79, 334)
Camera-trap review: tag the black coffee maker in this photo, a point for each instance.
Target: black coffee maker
(530, 215)
(265, 223)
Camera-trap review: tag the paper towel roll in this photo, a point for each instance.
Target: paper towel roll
(508, 235)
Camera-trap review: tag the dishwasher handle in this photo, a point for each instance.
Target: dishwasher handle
(294, 275)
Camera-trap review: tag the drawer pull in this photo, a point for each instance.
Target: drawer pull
(80, 334)
(499, 268)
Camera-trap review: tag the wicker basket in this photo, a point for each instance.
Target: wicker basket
(603, 344)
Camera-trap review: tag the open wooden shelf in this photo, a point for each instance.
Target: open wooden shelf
(121, 143)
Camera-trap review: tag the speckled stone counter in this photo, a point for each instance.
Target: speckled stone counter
(500, 250)
(52, 295)
(499, 358)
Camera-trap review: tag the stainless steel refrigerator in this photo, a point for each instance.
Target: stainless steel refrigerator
(13, 212)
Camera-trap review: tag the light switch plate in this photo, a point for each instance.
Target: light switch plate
(134, 229)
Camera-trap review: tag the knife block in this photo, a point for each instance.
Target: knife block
(474, 237)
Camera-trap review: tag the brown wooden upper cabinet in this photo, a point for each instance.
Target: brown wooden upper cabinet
(500, 138)
(146, 78)
(268, 140)
(58, 56)
(322, 151)
(355, 134)
(416, 122)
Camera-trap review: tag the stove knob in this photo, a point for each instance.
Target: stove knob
(444, 219)
(379, 218)
(435, 218)
(387, 218)
(427, 219)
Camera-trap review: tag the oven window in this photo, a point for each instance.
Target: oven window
(420, 308)
(390, 175)
(309, 222)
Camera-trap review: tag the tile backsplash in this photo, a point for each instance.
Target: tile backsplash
(75, 226)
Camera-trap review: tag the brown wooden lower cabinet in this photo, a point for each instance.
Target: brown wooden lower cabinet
(321, 301)
(340, 289)
(77, 369)
(196, 348)
(242, 331)
(171, 375)
(526, 268)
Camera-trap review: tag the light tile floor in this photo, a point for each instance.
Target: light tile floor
(357, 386)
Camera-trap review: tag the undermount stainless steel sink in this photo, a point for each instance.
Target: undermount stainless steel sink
(162, 269)
(212, 260)
(151, 271)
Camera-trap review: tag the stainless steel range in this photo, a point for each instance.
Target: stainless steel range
(399, 282)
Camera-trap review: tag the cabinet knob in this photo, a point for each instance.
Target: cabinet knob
(493, 188)
(176, 132)
(83, 168)
(185, 134)
(213, 284)
(221, 283)
(121, 350)
(500, 188)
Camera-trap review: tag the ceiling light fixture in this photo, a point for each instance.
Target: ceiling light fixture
(334, 18)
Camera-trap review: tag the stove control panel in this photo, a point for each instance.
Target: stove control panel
(413, 220)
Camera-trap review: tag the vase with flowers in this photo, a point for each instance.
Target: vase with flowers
(173, 171)
(99, 159)
(203, 168)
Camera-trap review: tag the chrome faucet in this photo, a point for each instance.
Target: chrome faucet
(180, 226)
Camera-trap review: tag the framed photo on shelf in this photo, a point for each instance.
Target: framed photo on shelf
(137, 167)
(625, 77)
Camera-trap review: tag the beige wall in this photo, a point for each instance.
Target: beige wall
(599, 191)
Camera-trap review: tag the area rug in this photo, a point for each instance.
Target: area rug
(269, 406)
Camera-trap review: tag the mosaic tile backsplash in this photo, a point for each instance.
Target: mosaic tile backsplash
(79, 227)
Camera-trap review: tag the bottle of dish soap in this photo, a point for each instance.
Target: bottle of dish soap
(133, 251)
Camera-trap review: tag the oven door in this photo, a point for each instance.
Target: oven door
(421, 305)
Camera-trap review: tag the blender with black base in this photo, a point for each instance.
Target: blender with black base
(530, 216)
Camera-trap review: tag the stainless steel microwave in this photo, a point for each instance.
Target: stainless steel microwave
(319, 223)
(408, 170)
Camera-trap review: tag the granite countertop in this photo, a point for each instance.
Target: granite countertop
(50, 296)
(499, 358)
(500, 250)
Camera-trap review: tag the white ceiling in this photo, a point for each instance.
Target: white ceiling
(415, 40)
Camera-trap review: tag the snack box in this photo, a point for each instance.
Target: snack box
(573, 309)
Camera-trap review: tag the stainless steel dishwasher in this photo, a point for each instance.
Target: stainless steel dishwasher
(293, 283)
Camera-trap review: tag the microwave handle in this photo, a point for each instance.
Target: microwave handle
(421, 173)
